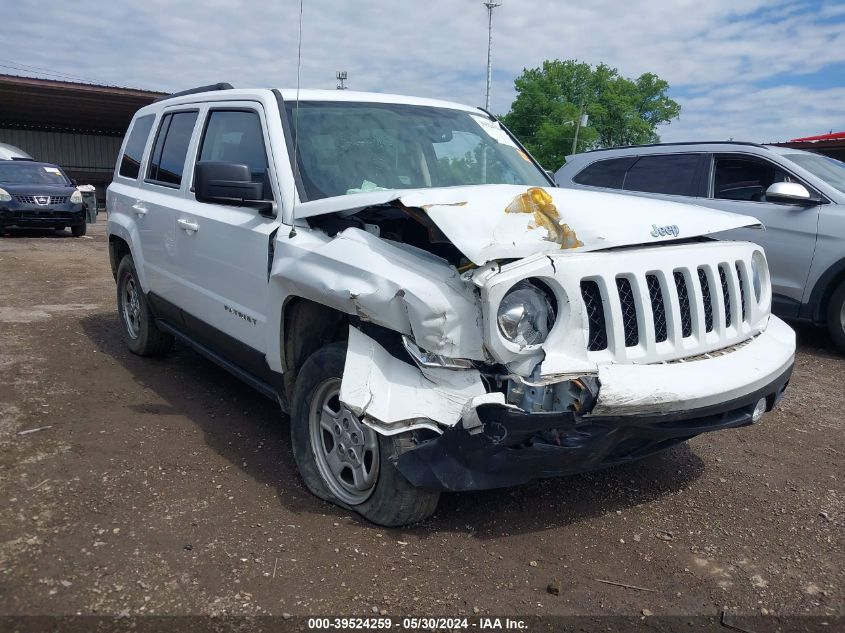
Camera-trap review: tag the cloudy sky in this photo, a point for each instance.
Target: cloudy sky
(759, 70)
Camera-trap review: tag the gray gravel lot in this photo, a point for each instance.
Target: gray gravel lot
(167, 487)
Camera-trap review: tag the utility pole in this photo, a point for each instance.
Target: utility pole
(340, 75)
(583, 119)
(490, 6)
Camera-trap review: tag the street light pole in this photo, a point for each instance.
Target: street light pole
(490, 6)
(341, 76)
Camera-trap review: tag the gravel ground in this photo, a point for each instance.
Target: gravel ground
(137, 486)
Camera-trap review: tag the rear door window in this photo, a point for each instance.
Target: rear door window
(671, 174)
(130, 163)
(171, 148)
(608, 173)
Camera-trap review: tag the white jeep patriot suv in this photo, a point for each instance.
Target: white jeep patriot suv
(405, 280)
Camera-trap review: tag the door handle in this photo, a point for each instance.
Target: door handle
(139, 209)
(187, 225)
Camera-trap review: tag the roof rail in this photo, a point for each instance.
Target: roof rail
(209, 88)
(678, 143)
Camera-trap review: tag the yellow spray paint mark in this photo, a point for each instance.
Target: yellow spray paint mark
(539, 202)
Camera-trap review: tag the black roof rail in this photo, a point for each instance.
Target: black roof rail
(209, 88)
(681, 143)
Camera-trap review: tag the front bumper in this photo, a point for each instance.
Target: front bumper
(31, 215)
(515, 447)
(636, 415)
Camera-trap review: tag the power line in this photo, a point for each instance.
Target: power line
(19, 66)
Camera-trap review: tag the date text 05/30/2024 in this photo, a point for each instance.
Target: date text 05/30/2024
(412, 623)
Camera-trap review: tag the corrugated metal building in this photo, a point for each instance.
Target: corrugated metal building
(832, 144)
(75, 125)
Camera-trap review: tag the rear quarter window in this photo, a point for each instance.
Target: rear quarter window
(130, 162)
(608, 173)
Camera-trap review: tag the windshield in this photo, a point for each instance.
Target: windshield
(347, 147)
(19, 173)
(828, 169)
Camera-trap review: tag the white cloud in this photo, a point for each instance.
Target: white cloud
(438, 48)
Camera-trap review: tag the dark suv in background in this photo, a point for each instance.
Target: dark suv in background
(34, 194)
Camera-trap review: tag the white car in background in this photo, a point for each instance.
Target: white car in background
(10, 152)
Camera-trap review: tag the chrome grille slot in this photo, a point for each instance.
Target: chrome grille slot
(629, 311)
(658, 308)
(740, 276)
(723, 278)
(594, 308)
(706, 299)
(684, 304)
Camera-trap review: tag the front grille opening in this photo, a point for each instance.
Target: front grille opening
(705, 296)
(723, 277)
(597, 336)
(52, 199)
(629, 311)
(658, 308)
(739, 276)
(683, 301)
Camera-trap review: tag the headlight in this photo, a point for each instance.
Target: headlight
(758, 266)
(526, 314)
(76, 197)
(4, 196)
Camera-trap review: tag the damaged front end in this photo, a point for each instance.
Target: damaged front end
(534, 346)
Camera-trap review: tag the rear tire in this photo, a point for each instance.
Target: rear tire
(137, 321)
(836, 316)
(79, 230)
(379, 492)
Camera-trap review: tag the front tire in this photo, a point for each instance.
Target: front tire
(344, 461)
(79, 230)
(836, 316)
(137, 321)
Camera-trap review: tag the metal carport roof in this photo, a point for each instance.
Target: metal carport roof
(46, 104)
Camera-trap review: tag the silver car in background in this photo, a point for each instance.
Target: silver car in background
(799, 196)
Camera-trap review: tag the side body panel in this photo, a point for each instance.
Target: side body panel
(221, 255)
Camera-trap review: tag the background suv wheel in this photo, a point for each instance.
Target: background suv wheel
(836, 316)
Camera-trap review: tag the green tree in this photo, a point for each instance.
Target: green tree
(622, 111)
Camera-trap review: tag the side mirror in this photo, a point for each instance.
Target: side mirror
(790, 192)
(551, 175)
(229, 183)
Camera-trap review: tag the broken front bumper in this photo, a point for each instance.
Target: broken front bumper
(514, 447)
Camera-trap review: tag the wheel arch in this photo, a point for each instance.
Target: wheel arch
(306, 326)
(118, 249)
(825, 286)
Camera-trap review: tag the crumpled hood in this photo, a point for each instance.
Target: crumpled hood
(490, 222)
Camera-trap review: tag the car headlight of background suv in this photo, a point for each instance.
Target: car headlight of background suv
(526, 313)
(4, 196)
(76, 197)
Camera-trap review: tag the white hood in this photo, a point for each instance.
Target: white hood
(490, 222)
